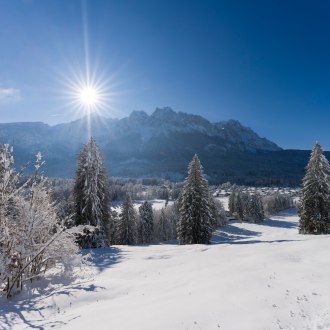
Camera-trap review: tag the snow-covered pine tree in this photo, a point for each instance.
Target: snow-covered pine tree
(146, 223)
(254, 209)
(126, 228)
(231, 201)
(163, 226)
(260, 215)
(172, 215)
(240, 200)
(112, 227)
(315, 195)
(91, 194)
(196, 218)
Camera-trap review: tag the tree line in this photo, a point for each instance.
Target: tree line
(252, 207)
(34, 237)
(103, 227)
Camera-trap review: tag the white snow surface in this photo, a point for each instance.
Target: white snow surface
(157, 204)
(252, 276)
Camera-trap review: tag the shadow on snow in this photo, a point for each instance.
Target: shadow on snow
(103, 258)
(280, 220)
(231, 234)
(25, 306)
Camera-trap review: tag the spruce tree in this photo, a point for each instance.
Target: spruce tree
(91, 191)
(315, 195)
(126, 231)
(240, 200)
(196, 218)
(146, 223)
(254, 209)
(163, 226)
(231, 202)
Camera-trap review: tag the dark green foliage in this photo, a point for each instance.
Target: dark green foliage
(231, 202)
(254, 209)
(163, 226)
(315, 195)
(196, 218)
(246, 206)
(126, 227)
(91, 191)
(146, 223)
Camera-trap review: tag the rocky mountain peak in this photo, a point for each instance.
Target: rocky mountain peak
(165, 113)
(138, 115)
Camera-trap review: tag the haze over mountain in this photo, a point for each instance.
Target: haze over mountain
(158, 145)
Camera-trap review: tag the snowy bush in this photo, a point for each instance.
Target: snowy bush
(276, 203)
(87, 236)
(219, 213)
(31, 238)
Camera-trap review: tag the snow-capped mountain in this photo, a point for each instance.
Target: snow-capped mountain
(141, 145)
(164, 122)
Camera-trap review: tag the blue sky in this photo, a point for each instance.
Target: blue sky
(264, 63)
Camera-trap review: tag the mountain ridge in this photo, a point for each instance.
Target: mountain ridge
(166, 120)
(157, 145)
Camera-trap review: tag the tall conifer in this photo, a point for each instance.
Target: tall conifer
(126, 228)
(146, 223)
(91, 190)
(315, 195)
(196, 218)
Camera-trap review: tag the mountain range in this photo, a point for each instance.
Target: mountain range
(159, 145)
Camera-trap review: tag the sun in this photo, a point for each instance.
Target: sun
(88, 93)
(89, 96)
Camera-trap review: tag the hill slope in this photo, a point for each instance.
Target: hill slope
(253, 276)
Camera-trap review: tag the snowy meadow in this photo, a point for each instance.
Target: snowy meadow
(227, 257)
(252, 276)
(157, 166)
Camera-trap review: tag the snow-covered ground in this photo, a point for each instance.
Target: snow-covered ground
(253, 276)
(157, 204)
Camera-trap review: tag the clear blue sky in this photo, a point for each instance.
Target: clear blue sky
(264, 63)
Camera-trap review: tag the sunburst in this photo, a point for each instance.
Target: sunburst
(89, 96)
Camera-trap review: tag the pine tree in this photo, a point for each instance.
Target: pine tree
(126, 231)
(196, 218)
(240, 200)
(112, 227)
(91, 191)
(231, 202)
(172, 215)
(315, 195)
(254, 209)
(146, 223)
(260, 214)
(163, 226)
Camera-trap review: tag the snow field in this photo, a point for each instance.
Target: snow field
(253, 276)
(157, 204)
